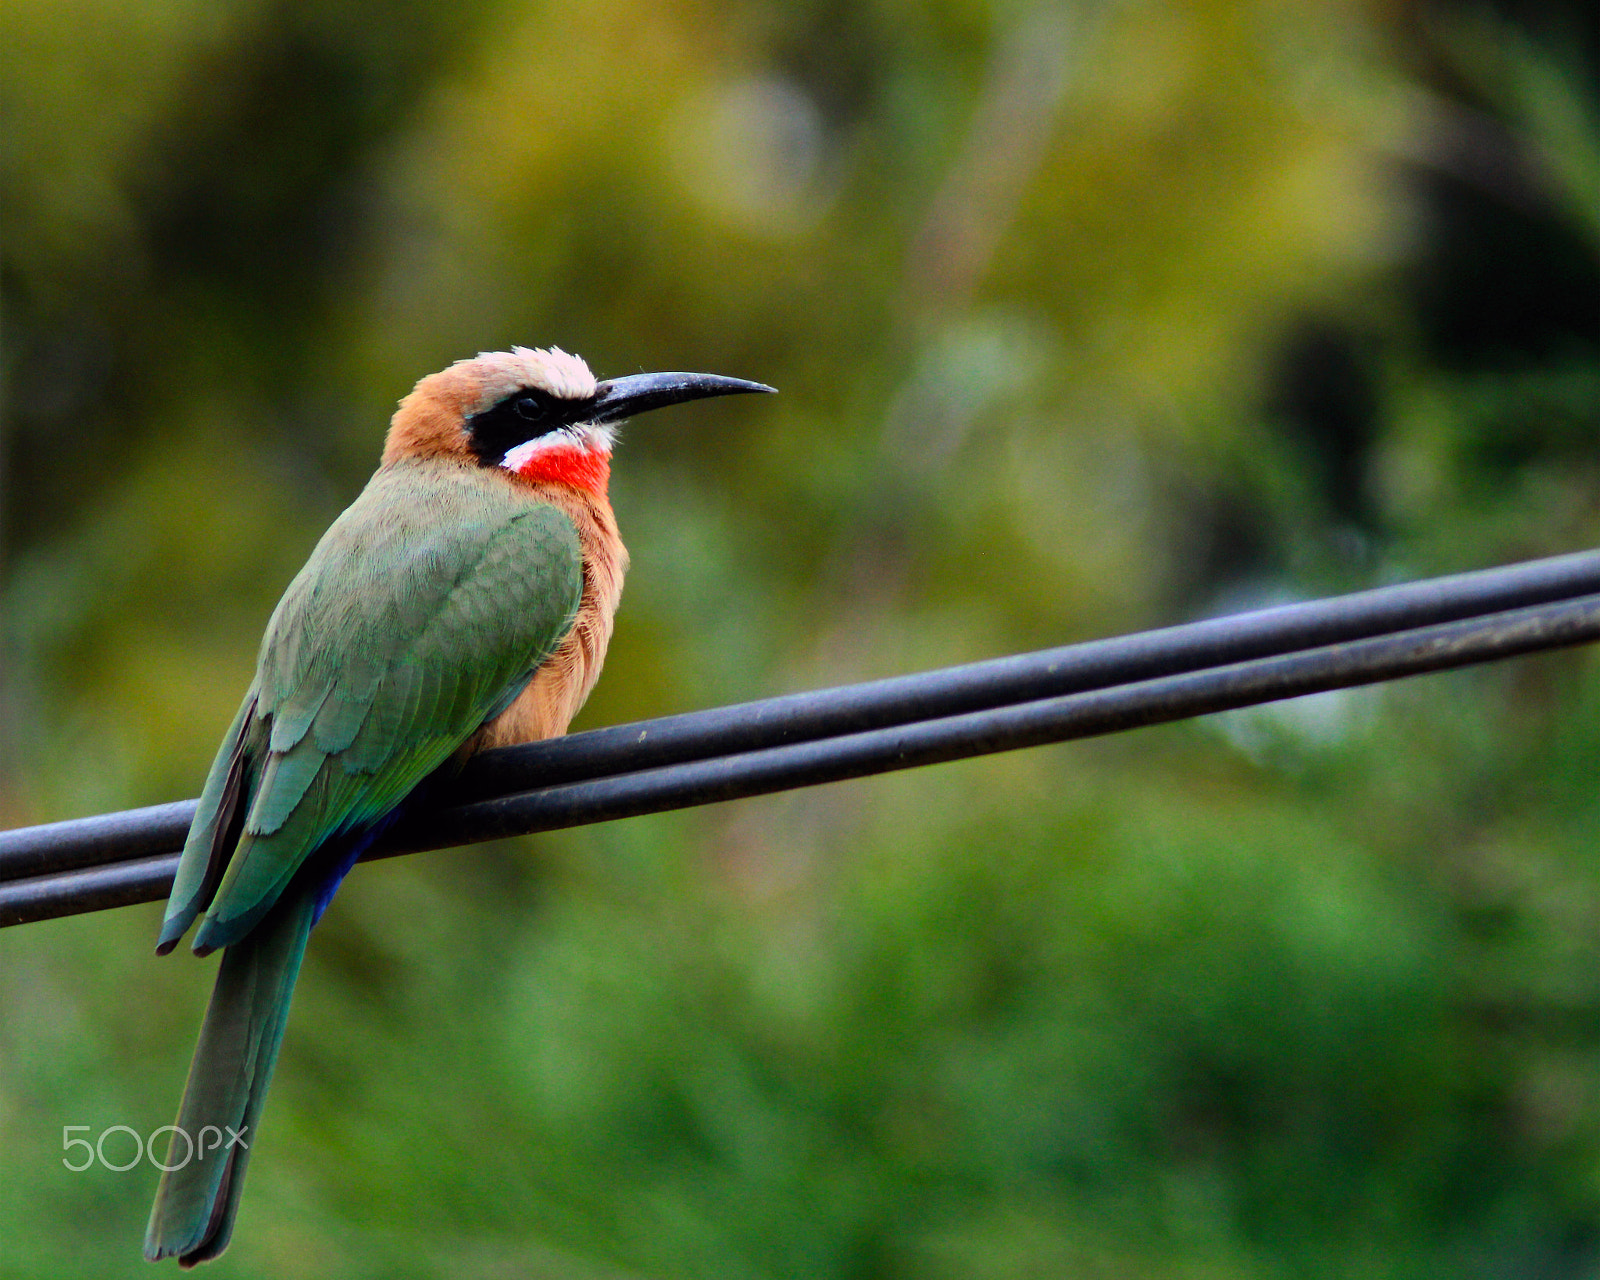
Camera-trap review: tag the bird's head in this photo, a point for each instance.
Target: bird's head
(536, 413)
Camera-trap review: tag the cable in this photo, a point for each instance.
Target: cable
(1080, 715)
(750, 726)
(802, 739)
(877, 704)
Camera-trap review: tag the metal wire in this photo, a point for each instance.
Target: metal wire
(804, 739)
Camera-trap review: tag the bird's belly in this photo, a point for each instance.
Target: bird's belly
(558, 688)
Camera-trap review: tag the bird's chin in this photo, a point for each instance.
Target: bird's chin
(579, 457)
(583, 439)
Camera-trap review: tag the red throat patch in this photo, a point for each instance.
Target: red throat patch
(574, 465)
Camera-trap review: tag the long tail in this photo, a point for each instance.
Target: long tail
(199, 1196)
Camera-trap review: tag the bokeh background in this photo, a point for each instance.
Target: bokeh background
(1088, 317)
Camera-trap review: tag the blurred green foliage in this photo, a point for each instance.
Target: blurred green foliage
(1087, 317)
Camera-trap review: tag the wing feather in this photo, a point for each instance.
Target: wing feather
(426, 608)
(294, 715)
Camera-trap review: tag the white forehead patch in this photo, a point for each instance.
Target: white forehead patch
(551, 370)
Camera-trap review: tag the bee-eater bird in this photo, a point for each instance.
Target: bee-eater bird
(463, 601)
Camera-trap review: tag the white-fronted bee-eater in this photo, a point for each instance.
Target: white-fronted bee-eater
(463, 601)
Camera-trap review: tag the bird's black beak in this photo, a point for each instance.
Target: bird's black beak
(624, 397)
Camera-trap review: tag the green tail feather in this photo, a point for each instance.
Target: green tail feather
(195, 1205)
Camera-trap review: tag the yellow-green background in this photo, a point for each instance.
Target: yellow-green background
(1087, 317)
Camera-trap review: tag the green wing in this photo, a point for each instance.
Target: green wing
(421, 614)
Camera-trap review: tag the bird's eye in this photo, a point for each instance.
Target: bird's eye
(529, 408)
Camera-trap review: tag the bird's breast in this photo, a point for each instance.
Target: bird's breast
(563, 681)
